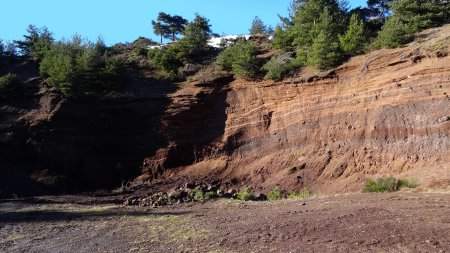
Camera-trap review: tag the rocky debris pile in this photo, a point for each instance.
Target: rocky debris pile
(190, 192)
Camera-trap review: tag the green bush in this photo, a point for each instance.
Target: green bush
(140, 46)
(388, 184)
(408, 183)
(274, 194)
(8, 83)
(77, 68)
(304, 193)
(168, 59)
(279, 66)
(200, 195)
(140, 51)
(240, 59)
(245, 193)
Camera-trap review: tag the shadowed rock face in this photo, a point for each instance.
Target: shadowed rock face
(49, 143)
(387, 112)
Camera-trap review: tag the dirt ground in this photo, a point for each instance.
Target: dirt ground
(395, 222)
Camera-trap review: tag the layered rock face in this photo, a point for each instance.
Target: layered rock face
(385, 113)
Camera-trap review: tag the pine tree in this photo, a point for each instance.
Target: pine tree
(395, 33)
(196, 35)
(307, 24)
(379, 8)
(325, 51)
(2, 48)
(258, 27)
(36, 42)
(282, 39)
(353, 41)
(422, 14)
(169, 26)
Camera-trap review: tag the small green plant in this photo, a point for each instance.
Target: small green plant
(209, 195)
(292, 195)
(304, 193)
(8, 83)
(408, 183)
(388, 184)
(383, 184)
(245, 193)
(274, 194)
(200, 195)
(278, 67)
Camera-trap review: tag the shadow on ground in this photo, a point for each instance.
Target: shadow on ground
(11, 212)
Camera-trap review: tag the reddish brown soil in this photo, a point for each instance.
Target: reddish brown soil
(397, 222)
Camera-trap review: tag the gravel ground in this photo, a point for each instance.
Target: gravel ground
(394, 222)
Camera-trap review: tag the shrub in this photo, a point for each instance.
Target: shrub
(140, 51)
(168, 59)
(388, 184)
(8, 83)
(245, 193)
(274, 194)
(408, 183)
(241, 59)
(278, 67)
(304, 193)
(200, 195)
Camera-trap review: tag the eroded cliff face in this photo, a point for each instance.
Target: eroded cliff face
(384, 113)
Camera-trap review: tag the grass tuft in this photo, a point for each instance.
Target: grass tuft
(388, 184)
(274, 194)
(245, 193)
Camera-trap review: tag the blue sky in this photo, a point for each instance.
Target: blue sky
(124, 21)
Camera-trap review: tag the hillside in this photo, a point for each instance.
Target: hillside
(387, 112)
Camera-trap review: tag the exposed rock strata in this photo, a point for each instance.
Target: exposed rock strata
(383, 113)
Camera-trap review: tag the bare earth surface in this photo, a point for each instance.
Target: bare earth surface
(397, 222)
